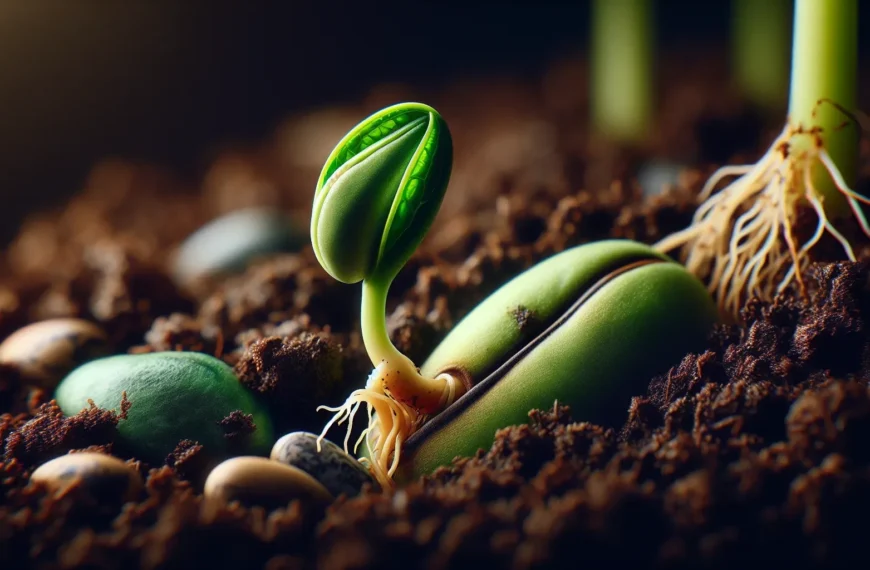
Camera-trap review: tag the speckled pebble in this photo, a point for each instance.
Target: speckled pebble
(335, 469)
(227, 244)
(105, 476)
(47, 351)
(260, 481)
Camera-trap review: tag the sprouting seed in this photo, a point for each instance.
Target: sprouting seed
(376, 198)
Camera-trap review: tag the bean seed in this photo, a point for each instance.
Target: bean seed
(46, 351)
(260, 481)
(104, 476)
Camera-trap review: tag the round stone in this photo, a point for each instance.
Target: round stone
(227, 244)
(658, 176)
(335, 469)
(172, 396)
(259, 481)
(46, 351)
(106, 477)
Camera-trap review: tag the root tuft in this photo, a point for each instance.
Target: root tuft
(390, 422)
(742, 238)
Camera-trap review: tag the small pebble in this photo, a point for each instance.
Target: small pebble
(227, 244)
(106, 477)
(336, 470)
(173, 396)
(655, 177)
(46, 351)
(260, 481)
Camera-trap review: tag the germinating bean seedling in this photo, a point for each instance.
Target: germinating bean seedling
(588, 327)
(375, 200)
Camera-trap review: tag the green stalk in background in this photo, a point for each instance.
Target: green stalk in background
(759, 50)
(824, 83)
(621, 60)
(743, 239)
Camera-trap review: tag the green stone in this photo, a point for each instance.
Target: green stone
(173, 396)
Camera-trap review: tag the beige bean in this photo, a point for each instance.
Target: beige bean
(259, 481)
(47, 351)
(105, 476)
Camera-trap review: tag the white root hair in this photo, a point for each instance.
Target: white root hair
(742, 237)
(390, 423)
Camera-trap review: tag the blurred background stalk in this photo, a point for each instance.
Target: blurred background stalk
(824, 89)
(622, 56)
(760, 46)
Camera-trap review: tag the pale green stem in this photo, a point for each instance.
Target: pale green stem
(760, 42)
(621, 58)
(825, 67)
(374, 324)
(393, 370)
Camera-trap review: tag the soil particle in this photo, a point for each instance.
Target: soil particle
(49, 433)
(116, 289)
(237, 425)
(295, 374)
(278, 290)
(834, 418)
(524, 318)
(179, 331)
(189, 461)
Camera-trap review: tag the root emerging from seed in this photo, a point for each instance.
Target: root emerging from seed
(390, 421)
(743, 236)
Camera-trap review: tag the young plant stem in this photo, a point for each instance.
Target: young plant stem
(374, 326)
(399, 399)
(398, 373)
(621, 58)
(823, 86)
(760, 42)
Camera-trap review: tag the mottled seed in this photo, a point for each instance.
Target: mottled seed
(105, 477)
(260, 481)
(335, 469)
(227, 244)
(46, 351)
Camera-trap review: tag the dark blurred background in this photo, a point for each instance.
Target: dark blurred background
(168, 80)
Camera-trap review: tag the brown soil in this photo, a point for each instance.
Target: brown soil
(754, 448)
